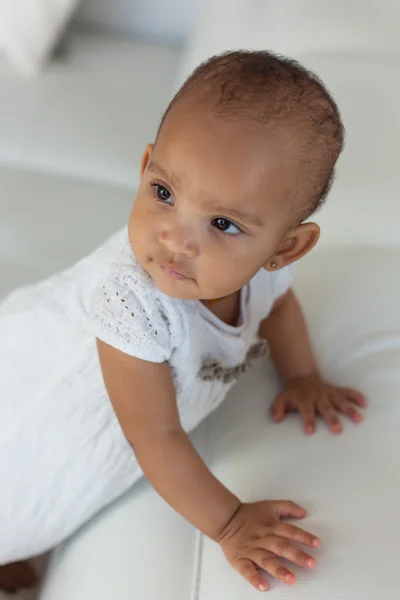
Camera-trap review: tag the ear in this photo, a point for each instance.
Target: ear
(296, 244)
(146, 158)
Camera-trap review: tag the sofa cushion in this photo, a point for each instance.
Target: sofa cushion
(363, 206)
(140, 549)
(292, 27)
(48, 222)
(348, 483)
(92, 112)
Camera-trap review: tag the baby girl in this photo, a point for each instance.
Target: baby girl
(108, 365)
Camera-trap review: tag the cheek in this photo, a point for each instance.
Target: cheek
(142, 220)
(227, 252)
(226, 259)
(138, 226)
(232, 262)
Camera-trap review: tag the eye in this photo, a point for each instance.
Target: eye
(225, 226)
(163, 194)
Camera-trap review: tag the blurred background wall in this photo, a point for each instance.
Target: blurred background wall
(164, 20)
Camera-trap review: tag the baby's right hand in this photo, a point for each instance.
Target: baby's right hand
(255, 537)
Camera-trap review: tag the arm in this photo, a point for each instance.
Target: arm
(143, 397)
(304, 389)
(286, 332)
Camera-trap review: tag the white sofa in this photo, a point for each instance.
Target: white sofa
(69, 150)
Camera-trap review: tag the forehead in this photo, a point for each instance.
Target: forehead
(225, 162)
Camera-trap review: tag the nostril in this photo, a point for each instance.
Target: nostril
(191, 249)
(178, 241)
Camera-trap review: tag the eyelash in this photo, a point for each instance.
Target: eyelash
(157, 186)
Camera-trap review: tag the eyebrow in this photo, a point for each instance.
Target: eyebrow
(154, 167)
(255, 220)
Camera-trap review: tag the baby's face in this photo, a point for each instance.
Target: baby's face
(212, 205)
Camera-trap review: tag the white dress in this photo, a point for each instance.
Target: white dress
(63, 456)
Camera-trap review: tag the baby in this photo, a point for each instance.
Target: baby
(106, 366)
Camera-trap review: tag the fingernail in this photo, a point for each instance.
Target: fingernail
(262, 587)
(289, 577)
(316, 543)
(310, 562)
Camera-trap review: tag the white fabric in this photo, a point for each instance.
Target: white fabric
(90, 115)
(325, 26)
(349, 484)
(341, 480)
(30, 28)
(60, 421)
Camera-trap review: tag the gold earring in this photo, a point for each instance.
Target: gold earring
(274, 265)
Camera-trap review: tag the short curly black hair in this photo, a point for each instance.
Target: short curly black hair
(279, 92)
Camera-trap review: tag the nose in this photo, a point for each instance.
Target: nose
(179, 240)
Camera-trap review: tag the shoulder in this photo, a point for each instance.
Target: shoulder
(127, 310)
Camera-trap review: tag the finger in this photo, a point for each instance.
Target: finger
(286, 549)
(347, 408)
(272, 565)
(307, 412)
(248, 570)
(327, 411)
(295, 534)
(278, 408)
(286, 509)
(355, 397)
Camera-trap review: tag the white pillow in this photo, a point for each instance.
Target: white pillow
(30, 28)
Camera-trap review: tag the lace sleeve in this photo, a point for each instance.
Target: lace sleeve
(126, 314)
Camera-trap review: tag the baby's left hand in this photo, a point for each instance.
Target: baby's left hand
(310, 396)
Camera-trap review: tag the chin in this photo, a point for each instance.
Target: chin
(175, 292)
(181, 290)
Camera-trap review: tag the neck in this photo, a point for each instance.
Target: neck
(216, 300)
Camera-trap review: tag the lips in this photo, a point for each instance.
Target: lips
(172, 272)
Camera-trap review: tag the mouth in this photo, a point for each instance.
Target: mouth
(172, 272)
